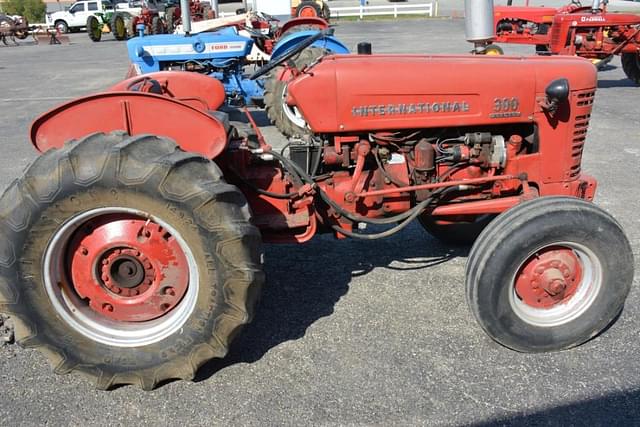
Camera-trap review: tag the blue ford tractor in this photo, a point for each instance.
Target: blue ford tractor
(227, 48)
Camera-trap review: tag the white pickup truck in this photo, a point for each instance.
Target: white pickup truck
(76, 16)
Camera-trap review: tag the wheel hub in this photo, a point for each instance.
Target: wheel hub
(549, 277)
(126, 272)
(128, 269)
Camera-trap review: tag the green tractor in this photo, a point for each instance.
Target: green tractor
(108, 22)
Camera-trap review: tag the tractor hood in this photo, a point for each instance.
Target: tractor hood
(347, 93)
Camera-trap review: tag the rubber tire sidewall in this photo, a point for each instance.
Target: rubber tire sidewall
(631, 66)
(114, 18)
(309, 4)
(274, 91)
(216, 317)
(509, 240)
(97, 36)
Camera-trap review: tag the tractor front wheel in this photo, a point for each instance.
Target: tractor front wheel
(127, 259)
(549, 274)
(631, 66)
(94, 28)
(287, 119)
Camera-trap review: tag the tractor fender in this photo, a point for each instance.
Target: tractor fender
(136, 113)
(180, 85)
(315, 21)
(328, 42)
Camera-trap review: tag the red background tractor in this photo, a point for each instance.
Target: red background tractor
(586, 31)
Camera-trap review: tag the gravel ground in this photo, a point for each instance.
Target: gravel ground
(348, 332)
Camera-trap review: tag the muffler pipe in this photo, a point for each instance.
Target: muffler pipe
(478, 22)
(595, 7)
(186, 17)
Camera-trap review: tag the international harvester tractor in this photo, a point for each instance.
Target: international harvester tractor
(587, 31)
(130, 250)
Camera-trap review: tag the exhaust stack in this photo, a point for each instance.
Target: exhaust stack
(478, 23)
(186, 17)
(595, 7)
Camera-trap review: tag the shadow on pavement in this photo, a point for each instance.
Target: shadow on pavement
(304, 282)
(615, 409)
(605, 84)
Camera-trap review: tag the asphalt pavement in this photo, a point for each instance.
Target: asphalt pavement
(348, 332)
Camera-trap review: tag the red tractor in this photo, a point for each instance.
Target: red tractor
(130, 250)
(198, 12)
(586, 31)
(151, 20)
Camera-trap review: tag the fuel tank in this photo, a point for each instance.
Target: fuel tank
(352, 93)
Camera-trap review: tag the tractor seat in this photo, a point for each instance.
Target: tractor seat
(222, 117)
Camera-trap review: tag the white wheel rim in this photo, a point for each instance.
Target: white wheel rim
(587, 291)
(79, 316)
(293, 114)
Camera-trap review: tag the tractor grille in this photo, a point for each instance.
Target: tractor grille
(555, 35)
(586, 98)
(583, 103)
(579, 137)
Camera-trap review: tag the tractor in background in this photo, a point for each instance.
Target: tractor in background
(310, 9)
(199, 11)
(112, 22)
(223, 49)
(586, 31)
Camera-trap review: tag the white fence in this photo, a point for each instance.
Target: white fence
(429, 9)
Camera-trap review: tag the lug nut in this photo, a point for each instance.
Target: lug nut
(170, 291)
(107, 307)
(84, 251)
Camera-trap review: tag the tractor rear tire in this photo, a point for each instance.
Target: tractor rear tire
(94, 28)
(298, 28)
(119, 27)
(462, 233)
(157, 26)
(631, 66)
(309, 9)
(549, 274)
(287, 119)
(129, 220)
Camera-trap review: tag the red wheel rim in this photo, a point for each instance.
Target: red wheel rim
(307, 12)
(549, 277)
(128, 269)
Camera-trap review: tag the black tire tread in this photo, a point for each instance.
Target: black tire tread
(500, 229)
(631, 66)
(274, 88)
(153, 156)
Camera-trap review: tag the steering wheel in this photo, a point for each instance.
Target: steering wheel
(290, 53)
